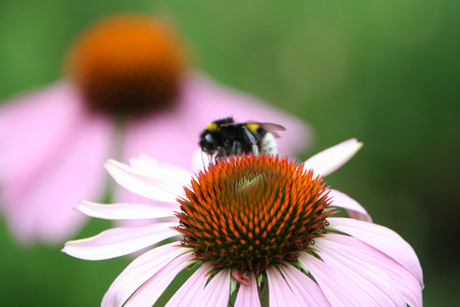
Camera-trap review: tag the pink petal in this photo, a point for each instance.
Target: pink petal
(304, 288)
(279, 292)
(330, 159)
(217, 291)
(190, 290)
(156, 169)
(248, 296)
(200, 161)
(27, 122)
(353, 208)
(373, 281)
(119, 241)
(335, 284)
(395, 283)
(139, 271)
(124, 211)
(151, 290)
(161, 189)
(52, 162)
(389, 242)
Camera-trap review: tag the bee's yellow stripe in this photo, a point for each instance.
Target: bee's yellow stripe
(212, 126)
(253, 127)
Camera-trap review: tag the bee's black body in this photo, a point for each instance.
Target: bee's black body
(225, 138)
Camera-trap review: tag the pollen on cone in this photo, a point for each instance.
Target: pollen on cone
(127, 64)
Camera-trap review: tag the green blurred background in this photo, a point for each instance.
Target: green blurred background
(386, 72)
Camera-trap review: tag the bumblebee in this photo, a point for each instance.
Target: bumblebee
(224, 138)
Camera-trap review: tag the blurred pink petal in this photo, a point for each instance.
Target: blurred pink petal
(129, 91)
(354, 209)
(138, 272)
(117, 242)
(202, 101)
(50, 160)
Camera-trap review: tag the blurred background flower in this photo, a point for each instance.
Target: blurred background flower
(384, 72)
(127, 91)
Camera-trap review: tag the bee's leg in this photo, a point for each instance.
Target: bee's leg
(236, 149)
(252, 139)
(220, 152)
(255, 150)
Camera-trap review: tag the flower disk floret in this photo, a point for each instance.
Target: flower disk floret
(250, 213)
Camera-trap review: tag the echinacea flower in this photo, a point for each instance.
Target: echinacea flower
(256, 229)
(127, 90)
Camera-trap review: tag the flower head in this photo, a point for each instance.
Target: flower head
(252, 213)
(254, 227)
(128, 90)
(127, 64)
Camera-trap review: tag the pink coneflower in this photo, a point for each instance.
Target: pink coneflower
(128, 87)
(256, 228)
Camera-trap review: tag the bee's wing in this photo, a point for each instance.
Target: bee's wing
(270, 127)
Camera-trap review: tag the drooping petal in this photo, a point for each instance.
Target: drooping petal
(279, 292)
(189, 291)
(335, 284)
(389, 242)
(124, 211)
(353, 208)
(330, 159)
(248, 296)
(390, 283)
(217, 291)
(156, 188)
(373, 281)
(152, 289)
(50, 159)
(308, 293)
(139, 271)
(119, 241)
